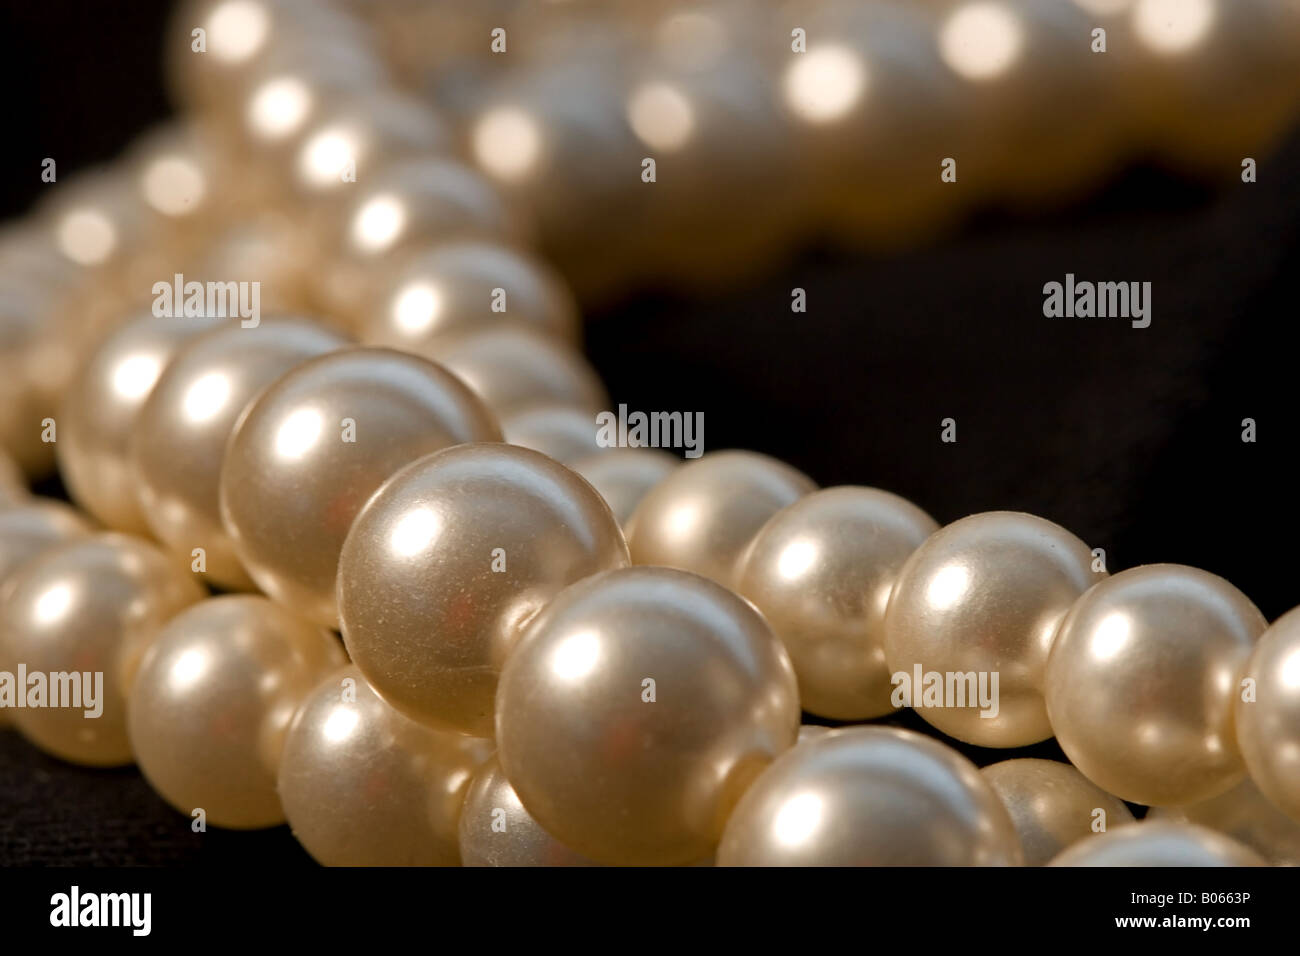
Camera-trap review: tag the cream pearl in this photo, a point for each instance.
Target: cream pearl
(211, 704)
(1268, 720)
(637, 708)
(1141, 683)
(870, 796)
(90, 606)
(450, 560)
(1245, 815)
(364, 786)
(181, 432)
(623, 476)
(1052, 805)
(496, 830)
(315, 445)
(463, 286)
(1159, 844)
(703, 516)
(821, 571)
(510, 368)
(564, 432)
(100, 411)
(29, 527)
(984, 596)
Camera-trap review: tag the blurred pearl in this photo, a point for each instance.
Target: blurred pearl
(560, 431)
(513, 367)
(269, 248)
(364, 786)
(100, 411)
(13, 485)
(450, 560)
(870, 796)
(1052, 805)
(95, 219)
(1159, 844)
(1142, 679)
(637, 708)
(31, 526)
(1245, 815)
(623, 476)
(315, 445)
(703, 516)
(811, 732)
(821, 571)
(90, 606)
(496, 830)
(211, 704)
(182, 430)
(1268, 726)
(985, 595)
(451, 288)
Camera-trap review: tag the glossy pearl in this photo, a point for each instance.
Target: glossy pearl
(870, 796)
(463, 286)
(496, 830)
(450, 560)
(13, 484)
(623, 476)
(703, 516)
(566, 433)
(510, 368)
(984, 595)
(637, 708)
(90, 606)
(1245, 815)
(1052, 805)
(1159, 844)
(1142, 679)
(1268, 727)
(821, 571)
(181, 432)
(100, 411)
(315, 445)
(31, 526)
(210, 706)
(364, 786)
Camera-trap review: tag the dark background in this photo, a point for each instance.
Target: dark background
(1131, 438)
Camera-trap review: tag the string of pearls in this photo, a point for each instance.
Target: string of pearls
(558, 653)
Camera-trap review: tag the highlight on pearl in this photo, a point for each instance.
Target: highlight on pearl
(449, 561)
(1142, 679)
(212, 700)
(1268, 714)
(983, 596)
(1159, 844)
(90, 608)
(610, 726)
(821, 571)
(363, 785)
(870, 796)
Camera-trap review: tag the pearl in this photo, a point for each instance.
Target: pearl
(211, 704)
(1052, 805)
(31, 526)
(821, 571)
(1245, 815)
(984, 596)
(90, 606)
(563, 432)
(268, 248)
(450, 560)
(1268, 721)
(513, 367)
(100, 411)
(637, 708)
(811, 732)
(1141, 683)
(315, 445)
(702, 516)
(623, 476)
(870, 796)
(496, 830)
(1159, 844)
(364, 786)
(182, 430)
(452, 288)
